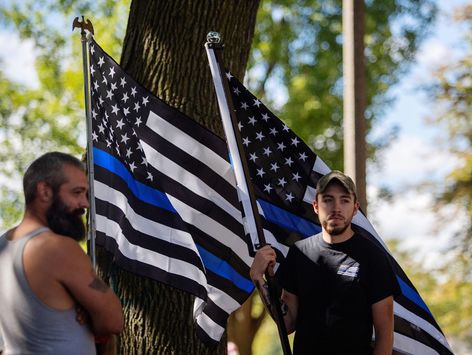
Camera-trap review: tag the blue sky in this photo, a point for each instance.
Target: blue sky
(419, 153)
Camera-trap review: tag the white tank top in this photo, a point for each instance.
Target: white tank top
(28, 325)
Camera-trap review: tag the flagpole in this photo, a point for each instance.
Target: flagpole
(87, 25)
(252, 217)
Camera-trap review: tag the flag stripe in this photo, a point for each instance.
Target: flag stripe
(143, 192)
(112, 229)
(405, 328)
(412, 295)
(361, 221)
(218, 248)
(223, 269)
(218, 315)
(199, 134)
(222, 300)
(167, 243)
(407, 345)
(421, 324)
(280, 239)
(108, 184)
(178, 138)
(288, 220)
(212, 331)
(204, 223)
(148, 270)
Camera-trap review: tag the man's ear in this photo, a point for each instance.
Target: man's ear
(44, 192)
(357, 206)
(315, 206)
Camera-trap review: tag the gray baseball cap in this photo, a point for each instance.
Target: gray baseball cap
(343, 179)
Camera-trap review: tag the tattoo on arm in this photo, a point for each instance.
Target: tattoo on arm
(98, 285)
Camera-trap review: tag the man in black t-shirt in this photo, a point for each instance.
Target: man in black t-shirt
(337, 285)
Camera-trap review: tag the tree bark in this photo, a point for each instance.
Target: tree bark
(164, 50)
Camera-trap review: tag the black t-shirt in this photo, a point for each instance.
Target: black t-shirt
(336, 285)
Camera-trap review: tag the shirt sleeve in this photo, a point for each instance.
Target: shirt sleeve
(287, 270)
(382, 280)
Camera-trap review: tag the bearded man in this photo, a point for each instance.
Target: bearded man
(44, 273)
(337, 286)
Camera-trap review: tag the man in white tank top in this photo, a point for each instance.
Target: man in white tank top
(44, 273)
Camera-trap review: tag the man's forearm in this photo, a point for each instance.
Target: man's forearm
(383, 345)
(263, 290)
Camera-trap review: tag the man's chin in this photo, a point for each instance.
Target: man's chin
(336, 230)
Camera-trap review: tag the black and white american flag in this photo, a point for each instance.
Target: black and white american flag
(166, 202)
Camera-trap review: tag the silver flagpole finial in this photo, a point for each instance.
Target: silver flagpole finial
(213, 37)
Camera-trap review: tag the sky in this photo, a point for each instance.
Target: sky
(419, 153)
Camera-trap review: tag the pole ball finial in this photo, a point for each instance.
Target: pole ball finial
(213, 37)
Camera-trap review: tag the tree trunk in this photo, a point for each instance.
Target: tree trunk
(164, 50)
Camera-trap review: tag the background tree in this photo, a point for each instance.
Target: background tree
(452, 94)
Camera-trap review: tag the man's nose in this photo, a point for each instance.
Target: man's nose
(84, 202)
(336, 205)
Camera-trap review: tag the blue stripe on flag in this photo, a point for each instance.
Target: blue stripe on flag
(288, 220)
(143, 192)
(223, 269)
(412, 295)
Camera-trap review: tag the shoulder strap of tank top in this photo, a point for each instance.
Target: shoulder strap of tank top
(36, 232)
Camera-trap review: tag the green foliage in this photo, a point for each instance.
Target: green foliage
(35, 120)
(452, 93)
(298, 44)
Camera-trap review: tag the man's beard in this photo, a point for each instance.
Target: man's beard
(63, 221)
(339, 229)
